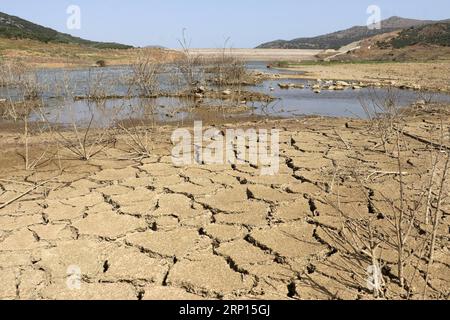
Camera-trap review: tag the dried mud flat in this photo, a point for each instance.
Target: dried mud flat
(145, 229)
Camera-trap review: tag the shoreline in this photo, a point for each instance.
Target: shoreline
(431, 76)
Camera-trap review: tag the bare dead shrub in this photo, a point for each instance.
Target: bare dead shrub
(84, 140)
(146, 72)
(396, 218)
(384, 114)
(190, 68)
(24, 99)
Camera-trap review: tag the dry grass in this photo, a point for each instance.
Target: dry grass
(41, 55)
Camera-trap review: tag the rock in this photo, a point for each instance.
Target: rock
(317, 91)
(226, 92)
(339, 88)
(331, 88)
(283, 86)
(316, 86)
(2, 100)
(200, 90)
(421, 102)
(355, 87)
(198, 95)
(272, 89)
(342, 83)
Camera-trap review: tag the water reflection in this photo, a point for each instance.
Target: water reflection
(60, 86)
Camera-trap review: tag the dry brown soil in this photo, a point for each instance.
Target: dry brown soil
(146, 229)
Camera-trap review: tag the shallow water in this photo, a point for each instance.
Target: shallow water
(113, 81)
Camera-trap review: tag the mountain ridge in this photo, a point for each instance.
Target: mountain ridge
(341, 38)
(13, 27)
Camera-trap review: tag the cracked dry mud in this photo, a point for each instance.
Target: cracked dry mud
(145, 229)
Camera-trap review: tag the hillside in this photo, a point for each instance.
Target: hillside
(37, 54)
(342, 38)
(434, 34)
(422, 43)
(12, 27)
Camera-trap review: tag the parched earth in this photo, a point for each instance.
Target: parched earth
(145, 229)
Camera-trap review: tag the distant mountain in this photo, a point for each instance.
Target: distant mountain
(16, 28)
(342, 38)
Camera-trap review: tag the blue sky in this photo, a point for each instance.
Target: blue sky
(209, 22)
